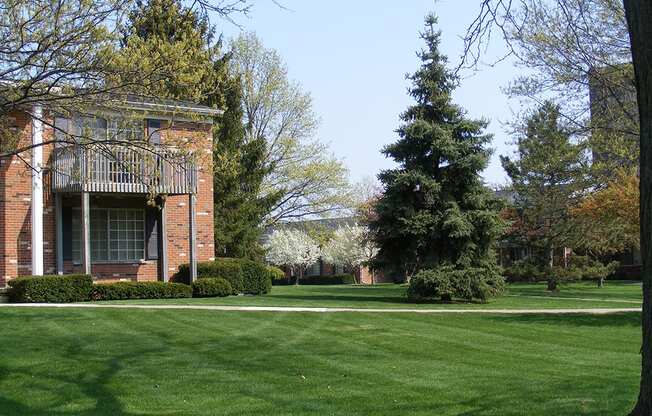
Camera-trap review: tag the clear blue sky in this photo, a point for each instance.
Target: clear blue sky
(352, 56)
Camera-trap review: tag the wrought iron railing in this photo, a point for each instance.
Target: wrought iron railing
(121, 169)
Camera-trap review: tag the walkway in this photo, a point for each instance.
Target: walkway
(590, 311)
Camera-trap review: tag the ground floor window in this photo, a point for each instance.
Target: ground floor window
(117, 235)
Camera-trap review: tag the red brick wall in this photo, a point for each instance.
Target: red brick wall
(15, 212)
(198, 136)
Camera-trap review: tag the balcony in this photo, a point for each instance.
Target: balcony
(120, 169)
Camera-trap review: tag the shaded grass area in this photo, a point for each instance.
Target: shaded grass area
(140, 362)
(522, 296)
(612, 290)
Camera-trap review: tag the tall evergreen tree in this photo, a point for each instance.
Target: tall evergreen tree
(549, 175)
(238, 174)
(435, 210)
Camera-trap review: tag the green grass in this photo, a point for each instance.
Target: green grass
(171, 362)
(519, 296)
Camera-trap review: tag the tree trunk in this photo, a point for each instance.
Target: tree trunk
(639, 23)
(299, 276)
(601, 282)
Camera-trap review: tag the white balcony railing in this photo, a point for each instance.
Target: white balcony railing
(122, 169)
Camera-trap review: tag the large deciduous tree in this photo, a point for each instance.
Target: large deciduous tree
(435, 209)
(302, 171)
(607, 221)
(639, 16)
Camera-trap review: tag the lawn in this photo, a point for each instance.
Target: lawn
(172, 362)
(519, 296)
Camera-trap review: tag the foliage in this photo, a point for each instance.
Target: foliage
(227, 268)
(140, 290)
(303, 177)
(350, 247)
(275, 273)
(211, 287)
(255, 277)
(525, 270)
(179, 41)
(608, 220)
(293, 249)
(244, 275)
(548, 175)
(50, 289)
(238, 173)
(335, 279)
(569, 46)
(449, 283)
(435, 209)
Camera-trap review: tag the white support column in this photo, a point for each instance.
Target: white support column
(163, 258)
(58, 213)
(193, 237)
(86, 233)
(37, 190)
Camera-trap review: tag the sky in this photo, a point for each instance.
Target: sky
(352, 56)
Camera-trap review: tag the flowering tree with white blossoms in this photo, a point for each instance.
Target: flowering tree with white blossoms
(350, 247)
(293, 249)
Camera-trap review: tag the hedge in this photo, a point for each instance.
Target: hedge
(336, 279)
(211, 287)
(54, 289)
(140, 290)
(448, 283)
(245, 276)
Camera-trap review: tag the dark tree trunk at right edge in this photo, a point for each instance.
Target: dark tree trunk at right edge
(639, 22)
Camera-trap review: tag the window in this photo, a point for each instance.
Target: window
(314, 269)
(117, 235)
(125, 129)
(90, 127)
(154, 131)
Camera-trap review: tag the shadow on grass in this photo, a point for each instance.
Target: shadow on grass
(632, 319)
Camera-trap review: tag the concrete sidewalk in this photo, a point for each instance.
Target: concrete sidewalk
(589, 311)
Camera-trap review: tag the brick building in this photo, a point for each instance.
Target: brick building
(118, 212)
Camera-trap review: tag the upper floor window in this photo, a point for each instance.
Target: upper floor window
(153, 131)
(89, 127)
(97, 128)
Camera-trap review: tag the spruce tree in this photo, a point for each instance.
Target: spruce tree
(436, 212)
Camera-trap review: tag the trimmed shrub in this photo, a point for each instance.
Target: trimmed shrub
(211, 287)
(255, 278)
(140, 290)
(227, 268)
(448, 283)
(245, 276)
(53, 289)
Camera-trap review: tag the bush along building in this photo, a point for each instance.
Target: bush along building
(120, 194)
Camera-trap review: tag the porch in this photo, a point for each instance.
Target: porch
(111, 209)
